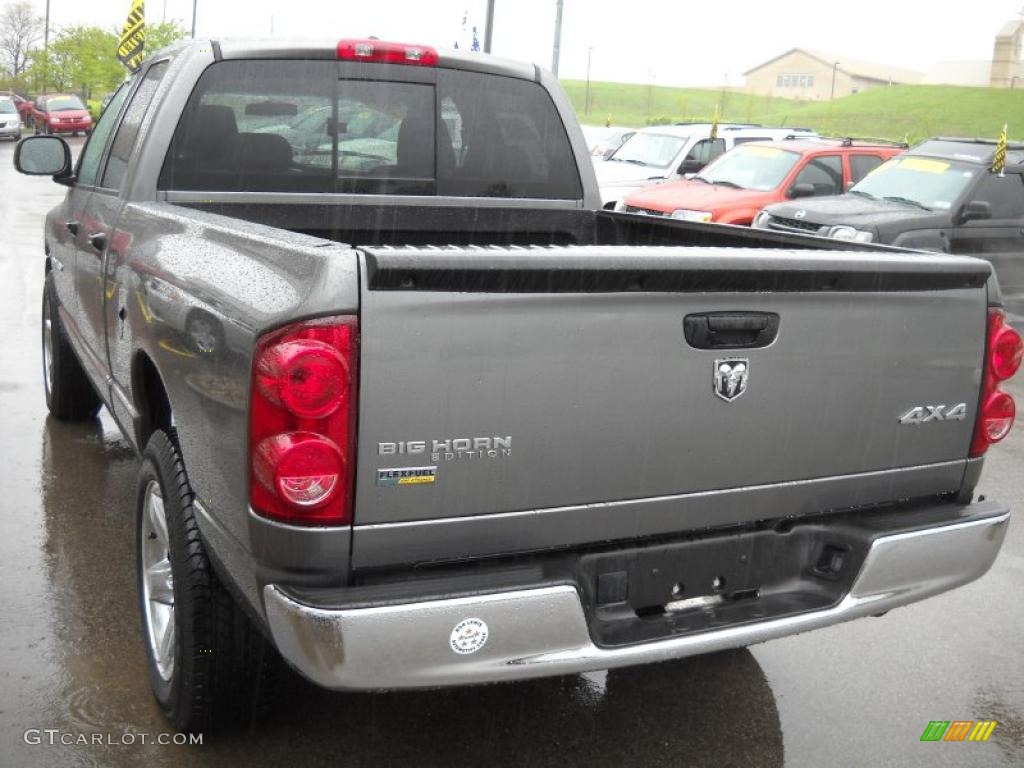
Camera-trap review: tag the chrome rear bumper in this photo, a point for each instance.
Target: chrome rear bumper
(543, 631)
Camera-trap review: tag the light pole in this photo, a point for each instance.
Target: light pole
(586, 100)
(832, 95)
(556, 48)
(194, 18)
(489, 26)
(46, 48)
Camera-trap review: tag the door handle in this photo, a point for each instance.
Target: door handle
(72, 227)
(98, 241)
(730, 330)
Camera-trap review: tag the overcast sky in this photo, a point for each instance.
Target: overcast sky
(668, 42)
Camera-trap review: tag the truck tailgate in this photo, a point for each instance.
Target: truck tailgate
(500, 380)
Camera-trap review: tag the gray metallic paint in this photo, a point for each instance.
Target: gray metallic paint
(454, 538)
(644, 422)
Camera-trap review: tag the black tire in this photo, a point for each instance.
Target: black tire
(69, 393)
(221, 662)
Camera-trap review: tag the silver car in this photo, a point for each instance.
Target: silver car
(10, 121)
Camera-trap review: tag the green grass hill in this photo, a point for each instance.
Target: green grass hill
(912, 111)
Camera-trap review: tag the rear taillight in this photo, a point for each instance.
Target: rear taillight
(1003, 352)
(302, 423)
(387, 53)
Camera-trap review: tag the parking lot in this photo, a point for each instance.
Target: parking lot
(72, 658)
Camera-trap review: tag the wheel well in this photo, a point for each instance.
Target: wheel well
(151, 399)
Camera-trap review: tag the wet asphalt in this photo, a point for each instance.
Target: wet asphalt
(71, 655)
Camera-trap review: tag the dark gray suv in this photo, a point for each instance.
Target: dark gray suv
(940, 196)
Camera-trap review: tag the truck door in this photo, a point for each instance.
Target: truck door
(999, 239)
(105, 209)
(70, 247)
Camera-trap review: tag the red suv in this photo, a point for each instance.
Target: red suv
(733, 188)
(60, 114)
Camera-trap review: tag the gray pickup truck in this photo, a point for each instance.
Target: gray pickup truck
(414, 412)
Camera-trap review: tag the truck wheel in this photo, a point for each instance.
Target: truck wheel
(207, 662)
(69, 393)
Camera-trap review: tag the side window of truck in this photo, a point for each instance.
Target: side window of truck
(1004, 193)
(89, 162)
(128, 132)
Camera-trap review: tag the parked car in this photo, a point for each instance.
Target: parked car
(22, 104)
(667, 152)
(60, 113)
(733, 188)
(602, 141)
(939, 196)
(585, 439)
(10, 120)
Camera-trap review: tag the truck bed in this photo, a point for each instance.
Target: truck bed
(537, 363)
(435, 224)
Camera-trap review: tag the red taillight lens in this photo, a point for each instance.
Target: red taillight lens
(306, 376)
(1003, 352)
(387, 53)
(302, 423)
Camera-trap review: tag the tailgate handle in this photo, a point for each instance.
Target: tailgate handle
(730, 330)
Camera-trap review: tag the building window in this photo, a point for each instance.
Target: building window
(794, 81)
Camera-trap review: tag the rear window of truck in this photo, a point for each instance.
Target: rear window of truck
(295, 126)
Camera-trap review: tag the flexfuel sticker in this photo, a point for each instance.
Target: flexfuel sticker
(406, 476)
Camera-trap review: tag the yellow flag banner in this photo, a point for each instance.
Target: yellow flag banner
(131, 48)
(999, 157)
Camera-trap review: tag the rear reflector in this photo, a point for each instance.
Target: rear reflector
(1007, 351)
(1003, 352)
(997, 416)
(302, 468)
(387, 53)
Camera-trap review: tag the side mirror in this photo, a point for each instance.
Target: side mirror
(689, 165)
(975, 210)
(43, 156)
(801, 190)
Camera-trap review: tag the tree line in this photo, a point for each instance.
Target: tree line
(79, 59)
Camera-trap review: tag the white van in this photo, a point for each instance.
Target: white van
(668, 152)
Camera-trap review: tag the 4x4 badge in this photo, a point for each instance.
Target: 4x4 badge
(731, 376)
